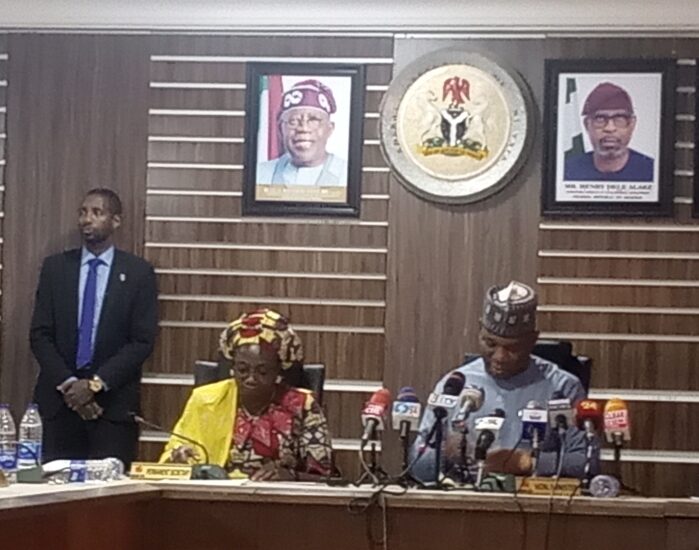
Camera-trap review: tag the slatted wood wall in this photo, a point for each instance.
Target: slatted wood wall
(394, 296)
(625, 291)
(328, 275)
(4, 56)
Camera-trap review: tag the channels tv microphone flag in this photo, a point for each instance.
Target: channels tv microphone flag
(405, 414)
(374, 413)
(373, 421)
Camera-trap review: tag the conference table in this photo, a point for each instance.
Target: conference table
(244, 515)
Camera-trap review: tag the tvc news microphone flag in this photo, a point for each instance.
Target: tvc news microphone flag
(374, 412)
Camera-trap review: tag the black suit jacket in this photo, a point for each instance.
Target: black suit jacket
(125, 337)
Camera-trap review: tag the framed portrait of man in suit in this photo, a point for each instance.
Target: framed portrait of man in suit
(304, 125)
(609, 137)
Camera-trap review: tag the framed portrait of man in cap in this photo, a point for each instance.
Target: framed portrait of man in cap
(303, 139)
(609, 137)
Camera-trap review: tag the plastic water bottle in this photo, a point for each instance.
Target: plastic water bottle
(84, 471)
(604, 486)
(30, 434)
(8, 443)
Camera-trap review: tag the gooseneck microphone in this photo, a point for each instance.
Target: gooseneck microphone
(199, 471)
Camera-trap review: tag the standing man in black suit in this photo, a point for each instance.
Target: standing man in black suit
(94, 324)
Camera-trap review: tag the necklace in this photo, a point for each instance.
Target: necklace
(258, 410)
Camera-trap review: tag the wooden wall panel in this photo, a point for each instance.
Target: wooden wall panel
(626, 291)
(232, 284)
(77, 119)
(670, 240)
(228, 207)
(642, 365)
(177, 308)
(278, 232)
(162, 179)
(623, 295)
(347, 355)
(3, 161)
(309, 260)
(622, 323)
(651, 268)
(660, 479)
(495, 241)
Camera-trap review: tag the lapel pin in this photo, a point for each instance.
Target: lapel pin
(122, 277)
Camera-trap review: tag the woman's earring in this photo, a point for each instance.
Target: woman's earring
(279, 379)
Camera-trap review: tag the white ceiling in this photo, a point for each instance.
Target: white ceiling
(396, 15)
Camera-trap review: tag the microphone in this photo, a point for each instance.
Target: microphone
(471, 400)
(561, 414)
(199, 471)
(406, 418)
(617, 427)
(534, 424)
(442, 403)
(589, 415)
(373, 414)
(405, 412)
(487, 428)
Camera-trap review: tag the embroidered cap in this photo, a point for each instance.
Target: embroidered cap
(510, 311)
(607, 96)
(309, 93)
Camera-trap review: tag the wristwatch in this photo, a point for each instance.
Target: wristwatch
(95, 384)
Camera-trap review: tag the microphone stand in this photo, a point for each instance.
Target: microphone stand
(438, 438)
(589, 449)
(373, 471)
(405, 442)
(618, 441)
(535, 452)
(199, 471)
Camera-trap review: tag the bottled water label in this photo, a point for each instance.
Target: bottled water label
(28, 454)
(8, 458)
(78, 471)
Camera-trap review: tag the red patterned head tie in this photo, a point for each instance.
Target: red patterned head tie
(260, 327)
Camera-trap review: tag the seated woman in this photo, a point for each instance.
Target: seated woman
(256, 423)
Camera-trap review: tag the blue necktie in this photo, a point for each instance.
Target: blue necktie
(87, 319)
